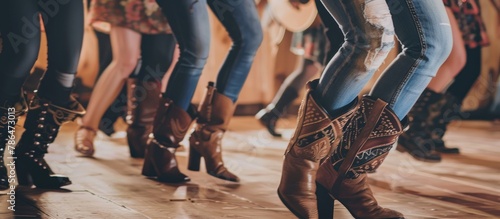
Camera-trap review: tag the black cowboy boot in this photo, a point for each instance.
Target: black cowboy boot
(270, 115)
(417, 141)
(449, 111)
(42, 126)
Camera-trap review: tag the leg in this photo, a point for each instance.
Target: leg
(330, 104)
(145, 88)
(20, 29)
(126, 50)
(64, 28)
(242, 23)
(53, 105)
(287, 93)
(423, 138)
(425, 38)
(21, 39)
(423, 28)
(467, 76)
(453, 99)
(368, 31)
(189, 22)
(332, 32)
(455, 61)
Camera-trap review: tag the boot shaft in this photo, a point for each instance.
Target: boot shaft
(317, 131)
(143, 98)
(43, 122)
(368, 138)
(171, 123)
(215, 110)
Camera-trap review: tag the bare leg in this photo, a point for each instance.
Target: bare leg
(455, 62)
(125, 44)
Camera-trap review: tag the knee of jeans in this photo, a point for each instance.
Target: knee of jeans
(439, 45)
(378, 33)
(250, 39)
(193, 58)
(376, 43)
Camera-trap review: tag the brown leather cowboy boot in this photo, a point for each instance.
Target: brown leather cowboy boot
(316, 133)
(368, 138)
(142, 103)
(169, 128)
(215, 111)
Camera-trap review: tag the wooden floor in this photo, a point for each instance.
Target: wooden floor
(111, 186)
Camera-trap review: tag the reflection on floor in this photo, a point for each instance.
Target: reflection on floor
(111, 186)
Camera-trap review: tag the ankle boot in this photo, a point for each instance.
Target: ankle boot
(274, 111)
(9, 116)
(316, 134)
(41, 128)
(448, 111)
(418, 141)
(143, 99)
(169, 129)
(215, 111)
(368, 138)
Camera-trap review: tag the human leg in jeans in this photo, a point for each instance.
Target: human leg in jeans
(241, 21)
(439, 105)
(364, 137)
(52, 105)
(189, 22)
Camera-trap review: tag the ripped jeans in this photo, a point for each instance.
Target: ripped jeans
(423, 29)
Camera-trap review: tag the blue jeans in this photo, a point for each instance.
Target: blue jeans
(191, 27)
(423, 29)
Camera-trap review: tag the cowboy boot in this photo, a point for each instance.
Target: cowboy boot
(215, 111)
(41, 128)
(316, 134)
(270, 115)
(143, 99)
(9, 115)
(448, 111)
(170, 126)
(417, 141)
(368, 137)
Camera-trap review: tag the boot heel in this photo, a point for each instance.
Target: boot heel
(194, 159)
(23, 176)
(325, 202)
(148, 167)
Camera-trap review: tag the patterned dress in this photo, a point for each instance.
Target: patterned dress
(143, 16)
(468, 15)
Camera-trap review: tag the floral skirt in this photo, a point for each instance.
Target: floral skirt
(468, 15)
(143, 16)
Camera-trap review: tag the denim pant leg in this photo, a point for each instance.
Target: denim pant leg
(423, 28)
(369, 36)
(191, 27)
(241, 20)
